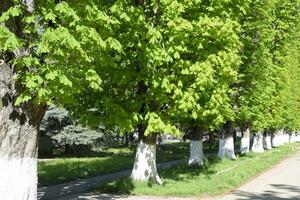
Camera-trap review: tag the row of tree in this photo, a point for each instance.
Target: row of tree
(155, 66)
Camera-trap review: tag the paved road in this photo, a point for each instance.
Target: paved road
(280, 183)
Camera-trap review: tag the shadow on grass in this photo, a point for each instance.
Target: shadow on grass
(184, 172)
(122, 186)
(181, 172)
(69, 169)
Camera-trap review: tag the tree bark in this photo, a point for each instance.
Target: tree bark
(292, 137)
(245, 142)
(144, 168)
(18, 141)
(257, 146)
(196, 148)
(267, 141)
(297, 136)
(18, 124)
(277, 138)
(226, 143)
(196, 153)
(285, 137)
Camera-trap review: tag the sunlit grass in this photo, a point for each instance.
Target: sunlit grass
(61, 170)
(216, 177)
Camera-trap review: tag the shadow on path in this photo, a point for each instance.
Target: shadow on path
(278, 192)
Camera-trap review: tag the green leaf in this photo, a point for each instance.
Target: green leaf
(23, 98)
(13, 11)
(65, 81)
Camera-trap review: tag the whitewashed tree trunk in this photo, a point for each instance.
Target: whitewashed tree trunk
(144, 168)
(277, 139)
(18, 142)
(282, 137)
(292, 137)
(18, 126)
(196, 153)
(297, 136)
(226, 148)
(245, 142)
(18, 179)
(267, 142)
(257, 146)
(238, 132)
(286, 137)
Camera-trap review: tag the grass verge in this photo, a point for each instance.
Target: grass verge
(216, 177)
(59, 170)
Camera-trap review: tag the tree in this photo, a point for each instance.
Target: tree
(285, 41)
(177, 62)
(54, 121)
(256, 83)
(264, 101)
(48, 55)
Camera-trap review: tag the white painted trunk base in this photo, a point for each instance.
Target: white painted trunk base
(277, 139)
(196, 153)
(297, 136)
(245, 142)
(292, 138)
(144, 168)
(226, 148)
(267, 142)
(258, 143)
(286, 138)
(238, 132)
(18, 179)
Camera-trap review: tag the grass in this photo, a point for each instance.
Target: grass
(216, 177)
(59, 170)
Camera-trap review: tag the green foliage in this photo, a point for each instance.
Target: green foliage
(267, 75)
(159, 64)
(172, 61)
(63, 50)
(63, 132)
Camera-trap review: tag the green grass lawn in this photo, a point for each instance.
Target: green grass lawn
(61, 170)
(216, 177)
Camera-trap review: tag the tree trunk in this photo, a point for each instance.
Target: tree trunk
(18, 124)
(292, 137)
(196, 146)
(226, 148)
(18, 141)
(196, 153)
(286, 137)
(277, 139)
(144, 168)
(258, 146)
(297, 136)
(125, 139)
(226, 143)
(245, 142)
(211, 141)
(267, 141)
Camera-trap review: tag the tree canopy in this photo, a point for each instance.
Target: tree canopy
(160, 62)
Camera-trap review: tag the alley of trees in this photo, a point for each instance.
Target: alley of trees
(162, 66)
